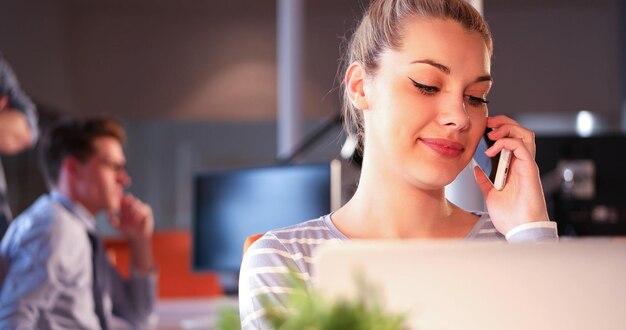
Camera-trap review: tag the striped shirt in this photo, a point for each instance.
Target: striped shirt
(267, 261)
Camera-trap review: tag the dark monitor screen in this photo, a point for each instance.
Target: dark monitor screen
(231, 205)
(589, 198)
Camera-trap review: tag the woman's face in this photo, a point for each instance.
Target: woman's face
(426, 104)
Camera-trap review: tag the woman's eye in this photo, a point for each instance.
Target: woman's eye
(476, 101)
(425, 89)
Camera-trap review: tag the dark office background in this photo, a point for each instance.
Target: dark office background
(195, 81)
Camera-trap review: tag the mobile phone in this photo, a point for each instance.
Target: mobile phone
(497, 167)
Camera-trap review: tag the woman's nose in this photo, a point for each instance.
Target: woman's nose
(453, 113)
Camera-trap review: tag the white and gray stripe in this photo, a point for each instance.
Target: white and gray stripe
(278, 251)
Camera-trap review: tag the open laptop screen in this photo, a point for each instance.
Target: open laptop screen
(575, 284)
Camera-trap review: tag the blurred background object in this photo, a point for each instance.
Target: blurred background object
(584, 183)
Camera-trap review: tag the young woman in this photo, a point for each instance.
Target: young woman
(416, 87)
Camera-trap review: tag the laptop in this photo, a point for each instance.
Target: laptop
(437, 285)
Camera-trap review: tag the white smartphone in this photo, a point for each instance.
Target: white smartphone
(495, 168)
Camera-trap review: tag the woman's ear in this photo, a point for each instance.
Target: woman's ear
(355, 85)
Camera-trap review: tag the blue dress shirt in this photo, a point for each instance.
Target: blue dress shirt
(50, 273)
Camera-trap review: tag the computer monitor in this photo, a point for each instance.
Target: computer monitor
(230, 205)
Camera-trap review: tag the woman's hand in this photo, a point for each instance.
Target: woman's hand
(521, 201)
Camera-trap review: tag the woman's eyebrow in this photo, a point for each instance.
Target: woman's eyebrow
(439, 66)
(446, 69)
(483, 78)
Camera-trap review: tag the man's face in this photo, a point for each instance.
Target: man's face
(101, 179)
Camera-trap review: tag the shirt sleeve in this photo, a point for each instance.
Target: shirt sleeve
(264, 279)
(134, 298)
(545, 231)
(22, 281)
(18, 100)
(43, 266)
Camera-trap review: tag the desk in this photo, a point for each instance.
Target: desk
(191, 313)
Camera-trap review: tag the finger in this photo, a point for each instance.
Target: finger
(503, 126)
(484, 184)
(518, 132)
(127, 209)
(113, 219)
(499, 120)
(125, 202)
(136, 211)
(139, 211)
(516, 146)
(508, 130)
(131, 201)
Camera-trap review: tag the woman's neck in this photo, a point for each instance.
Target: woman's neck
(389, 207)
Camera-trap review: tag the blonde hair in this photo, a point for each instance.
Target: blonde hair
(381, 29)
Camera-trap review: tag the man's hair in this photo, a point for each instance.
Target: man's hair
(74, 137)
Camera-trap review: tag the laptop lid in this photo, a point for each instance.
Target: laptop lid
(574, 284)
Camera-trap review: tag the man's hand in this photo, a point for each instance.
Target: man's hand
(135, 219)
(135, 222)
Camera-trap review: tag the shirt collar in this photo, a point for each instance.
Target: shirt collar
(75, 207)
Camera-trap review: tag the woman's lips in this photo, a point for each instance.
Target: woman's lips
(444, 147)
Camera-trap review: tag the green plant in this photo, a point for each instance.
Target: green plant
(311, 311)
(228, 319)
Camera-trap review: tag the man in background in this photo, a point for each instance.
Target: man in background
(18, 129)
(58, 274)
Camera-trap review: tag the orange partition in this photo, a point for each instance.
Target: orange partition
(249, 240)
(172, 254)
